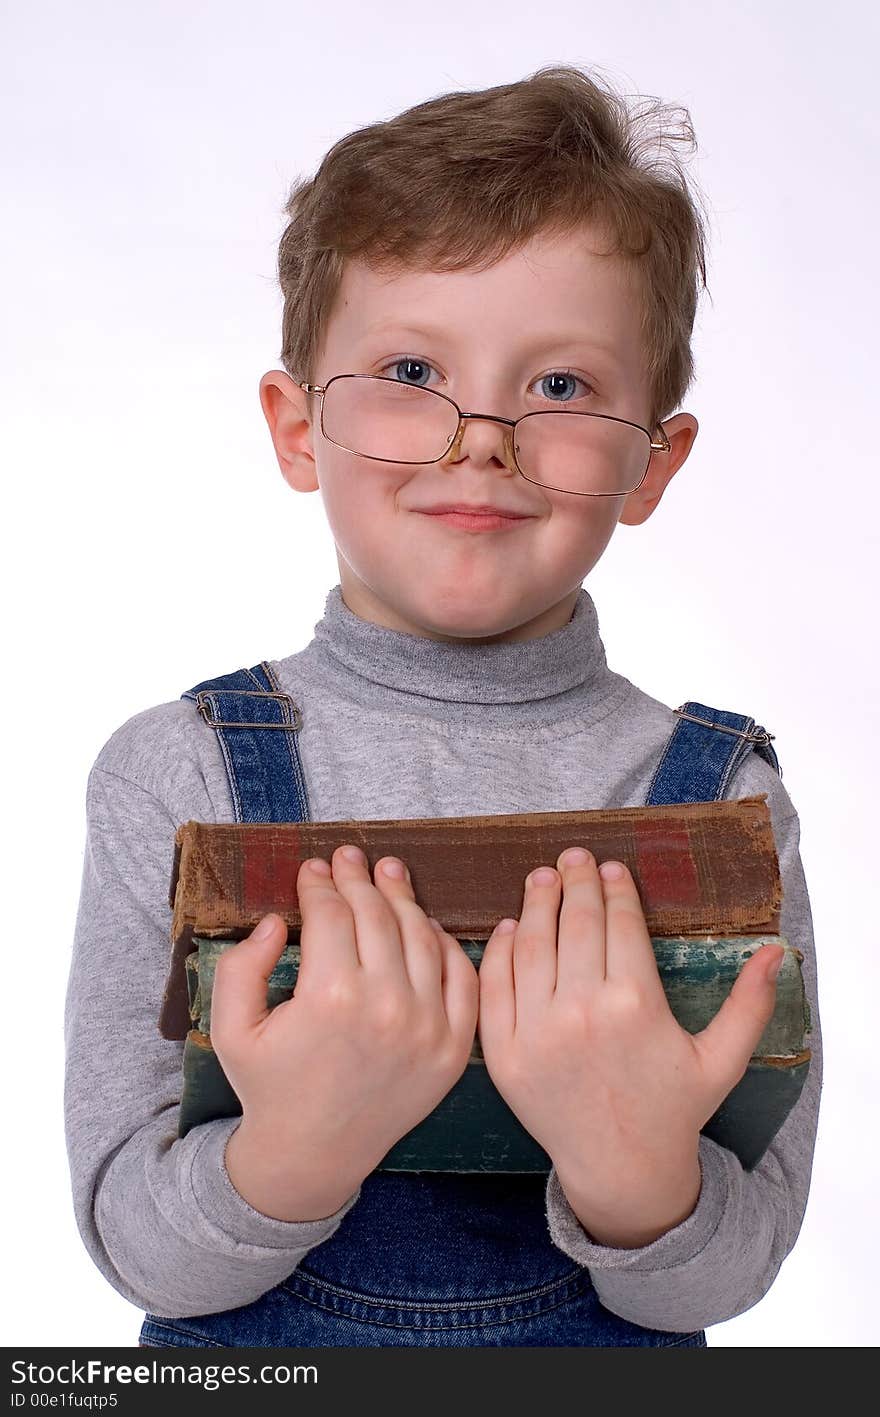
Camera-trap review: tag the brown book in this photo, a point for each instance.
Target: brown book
(701, 869)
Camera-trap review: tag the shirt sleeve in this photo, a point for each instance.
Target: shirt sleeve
(726, 1254)
(158, 1214)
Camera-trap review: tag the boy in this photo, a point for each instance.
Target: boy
(504, 252)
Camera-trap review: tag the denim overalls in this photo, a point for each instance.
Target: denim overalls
(430, 1259)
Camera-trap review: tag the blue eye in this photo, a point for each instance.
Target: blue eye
(407, 363)
(560, 375)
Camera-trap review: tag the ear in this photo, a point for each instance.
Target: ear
(681, 432)
(286, 407)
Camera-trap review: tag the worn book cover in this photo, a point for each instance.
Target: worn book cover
(700, 868)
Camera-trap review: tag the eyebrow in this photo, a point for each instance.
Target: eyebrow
(548, 340)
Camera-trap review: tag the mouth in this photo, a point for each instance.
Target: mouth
(468, 520)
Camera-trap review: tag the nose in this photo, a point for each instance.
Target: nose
(486, 437)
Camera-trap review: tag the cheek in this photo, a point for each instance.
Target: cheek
(586, 521)
(362, 506)
(567, 545)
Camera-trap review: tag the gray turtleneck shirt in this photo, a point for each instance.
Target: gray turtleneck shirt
(394, 725)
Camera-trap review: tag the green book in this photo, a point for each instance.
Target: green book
(472, 1129)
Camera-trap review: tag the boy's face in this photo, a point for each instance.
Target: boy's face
(488, 339)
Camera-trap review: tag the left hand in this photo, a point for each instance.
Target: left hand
(580, 1040)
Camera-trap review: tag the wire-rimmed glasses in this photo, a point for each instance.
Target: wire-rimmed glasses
(586, 454)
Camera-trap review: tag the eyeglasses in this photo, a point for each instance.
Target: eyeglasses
(587, 454)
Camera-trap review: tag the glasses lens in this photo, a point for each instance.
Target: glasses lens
(397, 422)
(579, 452)
(384, 418)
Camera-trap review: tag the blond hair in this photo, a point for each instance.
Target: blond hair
(461, 180)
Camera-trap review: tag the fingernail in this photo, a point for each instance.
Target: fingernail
(505, 927)
(611, 870)
(575, 856)
(319, 866)
(393, 868)
(353, 853)
(264, 928)
(544, 876)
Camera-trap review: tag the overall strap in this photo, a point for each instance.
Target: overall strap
(264, 767)
(267, 782)
(704, 750)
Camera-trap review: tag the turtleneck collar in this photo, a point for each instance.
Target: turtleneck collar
(548, 677)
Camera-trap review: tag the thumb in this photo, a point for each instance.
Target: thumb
(241, 979)
(728, 1042)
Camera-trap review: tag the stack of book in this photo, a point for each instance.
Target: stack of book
(708, 879)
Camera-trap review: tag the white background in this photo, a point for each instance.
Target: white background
(149, 150)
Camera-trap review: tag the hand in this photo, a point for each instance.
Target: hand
(579, 1039)
(379, 1028)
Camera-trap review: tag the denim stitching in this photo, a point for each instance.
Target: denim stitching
(441, 1305)
(291, 739)
(169, 1327)
(460, 1316)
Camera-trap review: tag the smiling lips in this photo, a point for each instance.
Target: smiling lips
(472, 509)
(467, 522)
(480, 517)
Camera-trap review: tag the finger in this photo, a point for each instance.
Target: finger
(327, 937)
(497, 1015)
(241, 975)
(728, 1042)
(460, 985)
(534, 943)
(580, 963)
(420, 942)
(377, 932)
(629, 953)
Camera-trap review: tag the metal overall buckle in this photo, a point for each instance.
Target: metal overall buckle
(204, 707)
(754, 735)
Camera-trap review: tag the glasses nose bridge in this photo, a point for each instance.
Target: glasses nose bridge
(508, 424)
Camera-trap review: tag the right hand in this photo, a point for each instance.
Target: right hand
(378, 1030)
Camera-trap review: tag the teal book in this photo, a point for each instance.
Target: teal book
(473, 1129)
